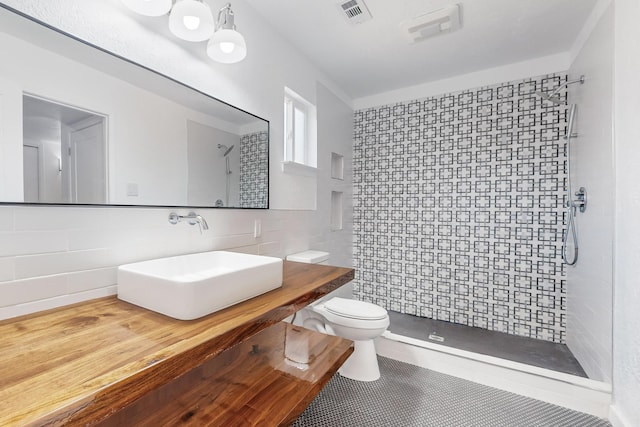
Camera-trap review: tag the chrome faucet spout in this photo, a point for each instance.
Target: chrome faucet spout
(200, 220)
(192, 218)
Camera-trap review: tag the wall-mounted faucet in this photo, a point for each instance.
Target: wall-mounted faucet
(193, 219)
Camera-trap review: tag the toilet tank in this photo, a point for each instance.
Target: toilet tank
(310, 257)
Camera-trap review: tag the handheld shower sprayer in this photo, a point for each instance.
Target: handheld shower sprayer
(580, 202)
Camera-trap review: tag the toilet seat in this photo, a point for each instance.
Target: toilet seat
(355, 309)
(360, 315)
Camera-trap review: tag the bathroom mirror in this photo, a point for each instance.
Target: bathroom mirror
(79, 125)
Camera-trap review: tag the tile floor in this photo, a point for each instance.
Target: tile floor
(410, 396)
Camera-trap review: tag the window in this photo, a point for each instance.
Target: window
(300, 130)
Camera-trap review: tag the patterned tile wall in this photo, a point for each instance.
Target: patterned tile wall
(254, 170)
(458, 208)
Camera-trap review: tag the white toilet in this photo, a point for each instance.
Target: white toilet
(355, 320)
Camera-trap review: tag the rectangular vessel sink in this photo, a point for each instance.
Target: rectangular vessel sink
(186, 287)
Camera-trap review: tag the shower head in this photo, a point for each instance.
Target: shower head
(549, 98)
(552, 96)
(226, 149)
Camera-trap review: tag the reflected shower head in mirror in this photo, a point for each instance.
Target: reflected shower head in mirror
(226, 149)
(552, 96)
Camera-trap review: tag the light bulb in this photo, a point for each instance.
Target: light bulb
(191, 22)
(227, 47)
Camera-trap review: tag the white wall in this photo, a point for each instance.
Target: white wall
(51, 256)
(335, 121)
(590, 281)
(10, 113)
(626, 321)
(52, 178)
(46, 134)
(207, 167)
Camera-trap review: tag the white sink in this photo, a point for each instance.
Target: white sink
(190, 286)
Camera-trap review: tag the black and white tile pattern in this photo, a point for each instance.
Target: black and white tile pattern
(254, 170)
(410, 396)
(458, 208)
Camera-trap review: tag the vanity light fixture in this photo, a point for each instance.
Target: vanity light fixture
(192, 20)
(227, 45)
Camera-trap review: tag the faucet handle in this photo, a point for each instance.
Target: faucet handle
(193, 218)
(174, 218)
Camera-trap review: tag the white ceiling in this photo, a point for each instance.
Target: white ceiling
(375, 57)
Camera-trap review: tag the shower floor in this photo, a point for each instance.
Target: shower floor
(543, 354)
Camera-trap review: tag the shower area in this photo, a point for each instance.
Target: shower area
(226, 150)
(227, 169)
(466, 220)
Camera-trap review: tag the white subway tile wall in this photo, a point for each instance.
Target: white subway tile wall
(30, 243)
(458, 207)
(6, 269)
(54, 256)
(6, 220)
(590, 289)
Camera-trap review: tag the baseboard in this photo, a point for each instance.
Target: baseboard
(580, 394)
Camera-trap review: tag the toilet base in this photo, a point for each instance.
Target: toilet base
(362, 365)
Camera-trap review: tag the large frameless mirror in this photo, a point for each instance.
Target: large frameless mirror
(79, 125)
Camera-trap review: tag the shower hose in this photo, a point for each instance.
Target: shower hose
(571, 229)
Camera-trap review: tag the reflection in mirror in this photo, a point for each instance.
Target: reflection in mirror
(239, 178)
(64, 153)
(92, 128)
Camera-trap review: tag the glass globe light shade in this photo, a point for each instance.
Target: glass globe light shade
(227, 46)
(191, 20)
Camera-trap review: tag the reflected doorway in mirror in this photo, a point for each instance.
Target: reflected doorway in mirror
(64, 153)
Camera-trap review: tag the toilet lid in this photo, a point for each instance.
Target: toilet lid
(355, 309)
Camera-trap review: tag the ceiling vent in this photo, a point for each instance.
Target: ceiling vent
(355, 11)
(432, 24)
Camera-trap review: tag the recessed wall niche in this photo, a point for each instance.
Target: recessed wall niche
(336, 210)
(337, 166)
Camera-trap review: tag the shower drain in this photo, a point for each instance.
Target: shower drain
(435, 337)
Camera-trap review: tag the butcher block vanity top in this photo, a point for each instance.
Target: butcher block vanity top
(81, 364)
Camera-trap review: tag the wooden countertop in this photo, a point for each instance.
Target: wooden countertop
(81, 363)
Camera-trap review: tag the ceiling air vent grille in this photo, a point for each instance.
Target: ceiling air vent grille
(355, 11)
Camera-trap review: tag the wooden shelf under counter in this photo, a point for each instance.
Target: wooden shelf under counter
(267, 380)
(80, 364)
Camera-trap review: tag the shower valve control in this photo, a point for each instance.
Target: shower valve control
(580, 201)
